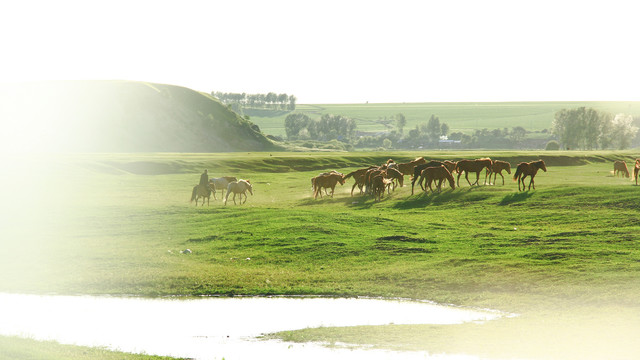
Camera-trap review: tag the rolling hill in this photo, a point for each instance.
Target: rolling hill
(120, 116)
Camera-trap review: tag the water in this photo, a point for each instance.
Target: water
(215, 328)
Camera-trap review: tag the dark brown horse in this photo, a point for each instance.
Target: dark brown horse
(417, 172)
(439, 173)
(475, 166)
(525, 169)
(620, 167)
(358, 176)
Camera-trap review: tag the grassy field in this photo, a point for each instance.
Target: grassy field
(464, 117)
(565, 256)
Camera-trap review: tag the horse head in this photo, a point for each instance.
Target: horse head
(541, 165)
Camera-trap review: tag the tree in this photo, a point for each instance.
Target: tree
(401, 122)
(386, 143)
(622, 131)
(433, 129)
(517, 134)
(444, 129)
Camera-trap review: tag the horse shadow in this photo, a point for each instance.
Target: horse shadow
(422, 199)
(516, 197)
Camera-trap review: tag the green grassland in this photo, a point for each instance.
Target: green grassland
(463, 117)
(559, 256)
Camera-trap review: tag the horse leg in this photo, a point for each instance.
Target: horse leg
(353, 187)
(332, 190)
(497, 178)
(531, 182)
(466, 176)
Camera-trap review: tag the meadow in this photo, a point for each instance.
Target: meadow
(463, 117)
(564, 257)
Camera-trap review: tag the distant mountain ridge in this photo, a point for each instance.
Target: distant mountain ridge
(121, 116)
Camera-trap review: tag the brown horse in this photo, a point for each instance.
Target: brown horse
(439, 173)
(475, 166)
(636, 170)
(395, 176)
(417, 172)
(358, 176)
(313, 180)
(620, 167)
(496, 168)
(378, 184)
(329, 180)
(450, 165)
(528, 169)
(407, 168)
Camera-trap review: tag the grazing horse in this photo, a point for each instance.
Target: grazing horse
(327, 181)
(496, 168)
(239, 187)
(222, 182)
(475, 166)
(204, 192)
(620, 167)
(636, 170)
(417, 172)
(525, 169)
(439, 173)
(358, 176)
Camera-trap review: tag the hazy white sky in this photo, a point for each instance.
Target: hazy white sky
(335, 51)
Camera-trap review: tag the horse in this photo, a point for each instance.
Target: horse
(636, 169)
(222, 182)
(239, 187)
(417, 172)
(620, 167)
(496, 168)
(475, 166)
(358, 176)
(407, 168)
(450, 165)
(525, 169)
(378, 185)
(327, 181)
(313, 180)
(204, 192)
(395, 176)
(439, 173)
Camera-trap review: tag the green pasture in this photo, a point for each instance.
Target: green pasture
(558, 256)
(463, 117)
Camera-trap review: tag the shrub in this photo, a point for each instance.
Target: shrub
(552, 145)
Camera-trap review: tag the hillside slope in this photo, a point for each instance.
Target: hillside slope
(120, 116)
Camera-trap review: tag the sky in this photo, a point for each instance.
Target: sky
(334, 51)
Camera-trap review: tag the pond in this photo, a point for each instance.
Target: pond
(216, 327)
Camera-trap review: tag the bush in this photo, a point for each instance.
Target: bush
(552, 145)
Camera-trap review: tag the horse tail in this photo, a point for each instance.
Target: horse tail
(516, 176)
(193, 193)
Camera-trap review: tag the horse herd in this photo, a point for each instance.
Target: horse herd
(376, 180)
(230, 183)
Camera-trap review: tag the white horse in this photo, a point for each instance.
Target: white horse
(238, 187)
(222, 182)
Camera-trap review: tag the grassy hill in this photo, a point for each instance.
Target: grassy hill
(120, 116)
(464, 117)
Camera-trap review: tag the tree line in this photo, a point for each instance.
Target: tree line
(579, 128)
(329, 127)
(257, 101)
